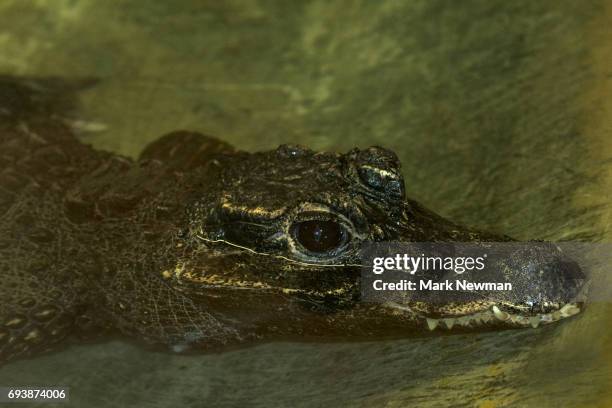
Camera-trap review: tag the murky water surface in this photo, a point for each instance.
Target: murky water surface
(500, 112)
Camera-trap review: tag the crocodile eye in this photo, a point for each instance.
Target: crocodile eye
(320, 236)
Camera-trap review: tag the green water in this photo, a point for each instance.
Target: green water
(492, 107)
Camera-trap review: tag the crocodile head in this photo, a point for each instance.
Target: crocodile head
(273, 246)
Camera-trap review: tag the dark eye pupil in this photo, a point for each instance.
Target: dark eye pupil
(319, 236)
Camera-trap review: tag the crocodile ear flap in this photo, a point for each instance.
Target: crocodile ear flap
(379, 169)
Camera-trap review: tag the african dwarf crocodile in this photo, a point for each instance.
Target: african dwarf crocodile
(197, 245)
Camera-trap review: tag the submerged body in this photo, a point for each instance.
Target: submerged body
(199, 246)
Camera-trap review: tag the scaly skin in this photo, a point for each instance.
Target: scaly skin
(192, 246)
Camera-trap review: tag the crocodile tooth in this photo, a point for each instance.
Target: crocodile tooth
(432, 323)
(514, 319)
(569, 310)
(449, 323)
(464, 321)
(534, 321)
(522, 320)
(499, 314)
(547, 317)
(485, 317)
